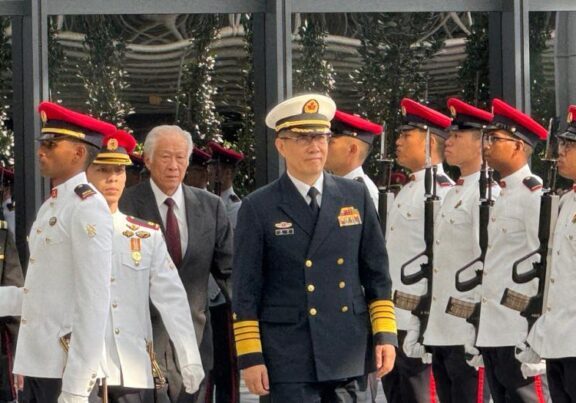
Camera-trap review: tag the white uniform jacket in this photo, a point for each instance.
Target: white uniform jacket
(512, 234)
(456, 244)
(552, 334)
(67, 287)
(372, 188)
(142, 271)
(405, 235)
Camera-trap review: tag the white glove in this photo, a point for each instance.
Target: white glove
(530, 370)
(525, 354)
(192, 376)
(66, 397)
(411, 346)
(473, 357)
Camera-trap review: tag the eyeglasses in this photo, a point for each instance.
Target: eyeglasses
(491, 139)
(52, 143)
(566, 144)
(307, 139)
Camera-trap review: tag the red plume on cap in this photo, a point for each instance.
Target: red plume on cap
(58, 121)
(415, 114)
(199, 157)
(467, 115)
(116, 149)
(224, 154)
(345, 124)
(570, 133)
(519, 124)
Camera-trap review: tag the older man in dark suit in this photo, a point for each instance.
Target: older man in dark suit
(198, 235)
(312, 304)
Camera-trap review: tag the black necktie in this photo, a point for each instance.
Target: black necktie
(173, 233)
(314, 208)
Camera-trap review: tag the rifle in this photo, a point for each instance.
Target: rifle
(386, 197)
(457, 307)
(420, 305)
(532, 307)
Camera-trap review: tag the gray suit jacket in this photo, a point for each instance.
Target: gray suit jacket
(209, 250)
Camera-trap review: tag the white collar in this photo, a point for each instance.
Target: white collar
(303, 188)
(161, 197)
(355, 173)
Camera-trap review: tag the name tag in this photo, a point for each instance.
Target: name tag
(285, 231)
(349, 216)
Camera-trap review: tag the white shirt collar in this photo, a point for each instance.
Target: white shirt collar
(355, 173)
(161, 197)
(303, 188)
(517, 177)
(71, 183)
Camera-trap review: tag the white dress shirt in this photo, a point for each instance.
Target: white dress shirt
(405, 236)
(512, 234)
(372, 188)
(179, 211)
(303, 188)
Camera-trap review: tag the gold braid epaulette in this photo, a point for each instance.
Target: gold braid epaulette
(382, 316)
(247, 337)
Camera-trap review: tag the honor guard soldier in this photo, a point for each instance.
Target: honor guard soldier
(66, 293)
(456, 231)
(142, 271)
(410, 379)
(512, 234)
(224, 378)
(222, 170)
(349, 146)
(197, 172)
(549, 338)
(312, 304)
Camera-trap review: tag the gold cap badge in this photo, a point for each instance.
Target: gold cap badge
(112, 144)
(311, 106)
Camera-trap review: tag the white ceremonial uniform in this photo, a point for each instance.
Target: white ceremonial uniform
(372, 188)
(552, 334)
(67, 288)
(232, 203)
(137, 279)
(456, 244)
(405, 236)
(512, 234)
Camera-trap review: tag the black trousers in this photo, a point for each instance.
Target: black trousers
(353, 390)
(223, 380)
(44, 390)
(409, 381)
(456, 381)
(507, 385)
(561, 374)
(120, 394)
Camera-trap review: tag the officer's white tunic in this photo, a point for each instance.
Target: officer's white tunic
(67, 289)
(456, 244)
(405, 237)
(372, 188)
(552, 336)
(151, 276)
(512, 234)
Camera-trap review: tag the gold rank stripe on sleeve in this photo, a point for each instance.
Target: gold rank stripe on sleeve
(247, 337)
(382, 316)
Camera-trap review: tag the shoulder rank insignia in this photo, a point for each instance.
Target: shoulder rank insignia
(234, 198)
(142, 223)
(84, 191)
(359, 179)
(443, 180)
(532, 183)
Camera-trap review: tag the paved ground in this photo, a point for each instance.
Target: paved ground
(249, 398)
